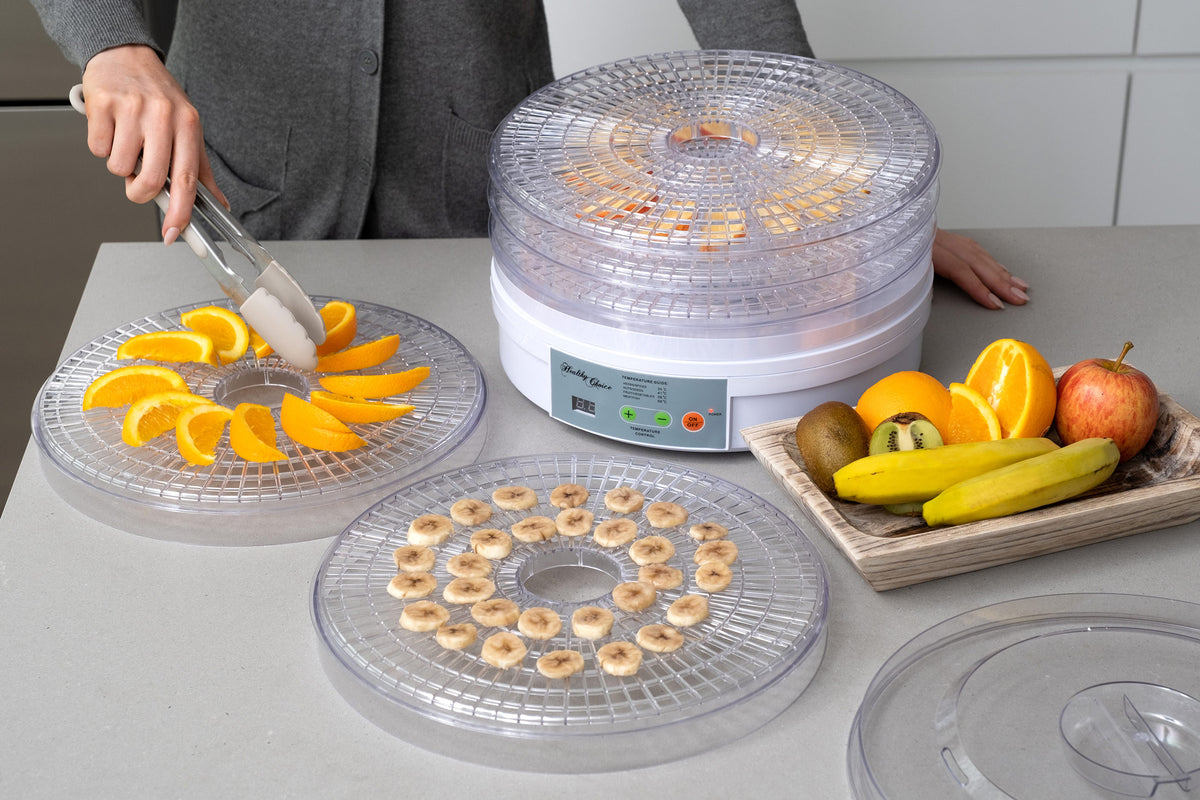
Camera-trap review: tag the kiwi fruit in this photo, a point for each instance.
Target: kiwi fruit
(907, 430)
(829, 437)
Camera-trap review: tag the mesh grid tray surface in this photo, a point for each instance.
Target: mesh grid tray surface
(153, 491)
(755, 653)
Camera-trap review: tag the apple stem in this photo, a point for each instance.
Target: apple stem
(1124, 350)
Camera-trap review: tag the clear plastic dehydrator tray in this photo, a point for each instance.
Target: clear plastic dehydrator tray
(756, 652)
(152, 490)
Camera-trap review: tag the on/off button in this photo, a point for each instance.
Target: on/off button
(692, 421)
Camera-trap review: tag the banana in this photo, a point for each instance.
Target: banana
(539, 622)
(469, 565)
(496, 612)
(713, 576)
(423, 616)
(414, 558)
(456, 636)
(469, 512)
(560, 663)
(515, 498)
(721, 550)
(408, 585)
(464, 591)
(665, 514)
(660, 576)
(591, 622)
(624, 500)
(651, 550)
(634, 595)
(503, 650)
(491, 543)
(430, 529)
(691, 609)
(908, 476)
(534, 529)
(619, 658)
(568, 495)
(574, 521)
(1032, 483)
(659, 638)
(707, 531)
(615, 532)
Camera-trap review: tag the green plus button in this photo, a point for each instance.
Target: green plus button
(662, 419)
(628, 413)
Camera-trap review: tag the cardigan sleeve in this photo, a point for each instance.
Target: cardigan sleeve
(82, 28)
(767, 25)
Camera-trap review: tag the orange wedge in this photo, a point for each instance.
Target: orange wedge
(154, 414)
(198, 430)
(226, 328)
(355, 410)
(971, 418)
(123, 385)
(906, 391)
(363, 356)
(341, 326)
(259, 346)
(314, 427)
(172, 346)
(252, 433)
(373, 387)
(1017, 382)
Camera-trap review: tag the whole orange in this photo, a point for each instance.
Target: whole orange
(909, 390)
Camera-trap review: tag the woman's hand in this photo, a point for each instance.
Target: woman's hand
(964, 261)
(136, 109)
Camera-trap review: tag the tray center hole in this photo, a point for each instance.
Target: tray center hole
(570, 575)
(713, 138)
(263, 385)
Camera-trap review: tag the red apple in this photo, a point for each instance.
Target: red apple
(1099, 397)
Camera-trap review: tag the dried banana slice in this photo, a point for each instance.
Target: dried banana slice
(414, 558)
(721, 550)
(623, 500)
(534, 529)
(707, 531)
(619, 658)
(464, 591)
(469, 565)
(430, 530)
(574, 521)
(664, 514)
(456, 636)
(495, 612)
(634, 595)
(568, 495)
(651, 550)
(410, 585)
(503, 650)
(515, 498)
(491, 543)
(558, 664)
(539, 622)
(470, 512)
(615, 532)
(423, 616)
(713, 576)
(691, 609)
(661, 576)
(659, 638)
(591, 622)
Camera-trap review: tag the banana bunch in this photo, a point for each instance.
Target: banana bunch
(979, 480)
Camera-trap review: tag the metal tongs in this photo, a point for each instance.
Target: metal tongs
(278, 309)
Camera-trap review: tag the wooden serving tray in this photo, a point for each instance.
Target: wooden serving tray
(1158, 488)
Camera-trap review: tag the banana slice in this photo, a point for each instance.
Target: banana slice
(713, 576)
(560, 663)
(568, 495)
(414, 558)
(456, 636)
(503, 650)
(534, 529)
(688, 610)
(469, 565)
(619, 658)
(515, 498)
(574, 521)
(623, 500)
(707, 531)
(660, 576)
(659, 638)
(464, 591)
(496, 612)
(430, 529)
(651, 550)
(634, 595)
(491, 543)
(721, 550)
(539, 623)
(615, 532)
(470, 512)
(591, 622)
(423, 616)
(665, 515)
(408, 585)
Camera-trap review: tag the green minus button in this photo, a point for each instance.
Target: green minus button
(662, 419)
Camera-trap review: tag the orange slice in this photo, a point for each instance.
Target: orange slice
(154, 414)
(314, 427)
(355, 410)
(971, 418)
(259, 346)
(375, 386)
(172, 346)
(123, 385)
(363, 356)
(1017, 382)
(341, 326)
(906, 391)
(226, 328)
(198, 430)
(252, 433)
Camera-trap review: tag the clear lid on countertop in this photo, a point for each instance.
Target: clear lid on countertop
(1064, 696)
(753, 184)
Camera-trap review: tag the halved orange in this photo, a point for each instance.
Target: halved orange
(226, 328)
(363, 356)
(259, 346)
(341, 326)
(1016, 380)
(356, 410)
(123, 385)
(252, 433)
(314, 427)
(173, 346)
(373, 387)
(908, 390)
(154, 414)
(198, 430)
(971, 418)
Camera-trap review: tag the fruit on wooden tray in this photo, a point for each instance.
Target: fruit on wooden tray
(829, 437)
(177, 347)
(907, 430)
(1032, 483)
(1017, 382)
(225, 327)
(199, 429)
(1102, 397)
(252, 433)
(907, 390)
(123, 385)
(972, 419)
